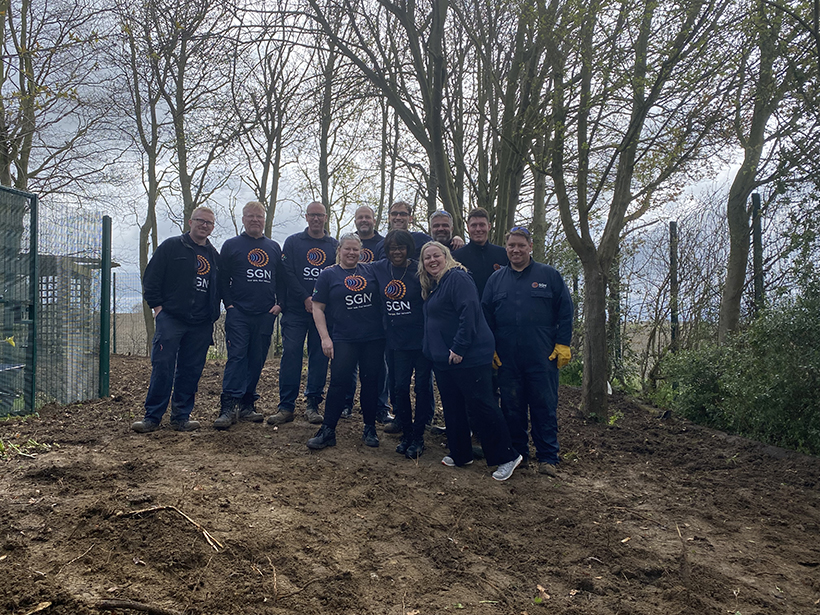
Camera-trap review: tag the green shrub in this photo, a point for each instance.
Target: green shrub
(763, 384)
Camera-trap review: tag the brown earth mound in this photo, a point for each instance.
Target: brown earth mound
(648, 516)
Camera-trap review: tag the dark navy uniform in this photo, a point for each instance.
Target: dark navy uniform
(529, 313)
(370, 248)
(183, 278)
(253, 282)
(482, 261)
(354, 321)
(303, 258)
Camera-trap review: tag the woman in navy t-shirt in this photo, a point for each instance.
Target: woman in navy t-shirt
(399, 285)
(347, 312)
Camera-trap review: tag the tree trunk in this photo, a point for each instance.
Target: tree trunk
(594, 399)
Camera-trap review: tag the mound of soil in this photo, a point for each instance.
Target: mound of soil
(648, 516)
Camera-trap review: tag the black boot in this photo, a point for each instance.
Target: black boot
(248, 413)
(312, 412)
(326, 436)
(401, 449)
(415, 450)
(229, 408)
(369, 436)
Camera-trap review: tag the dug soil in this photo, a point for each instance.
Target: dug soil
(650, 515)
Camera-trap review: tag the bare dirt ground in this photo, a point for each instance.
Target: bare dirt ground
(649, 516)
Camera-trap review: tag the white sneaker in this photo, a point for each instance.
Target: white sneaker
(450, 462)
(505, 470)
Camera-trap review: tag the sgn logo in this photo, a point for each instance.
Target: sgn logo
(203, 267)
(366, 255)
(258, 257)
(316, 257)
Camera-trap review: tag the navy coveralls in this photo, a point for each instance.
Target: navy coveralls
(529, 313)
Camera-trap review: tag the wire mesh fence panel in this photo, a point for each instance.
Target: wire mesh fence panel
(68, 347)
(17, 341)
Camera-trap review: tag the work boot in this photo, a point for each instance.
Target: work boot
(229, 408)
(248, 413)
(369, 436)
(415, 450)
(145, 426)
(281, 417)
(405, 443)
(326, 436)
(185, 425)
(383, 416)
(312, 413)
(392, 427)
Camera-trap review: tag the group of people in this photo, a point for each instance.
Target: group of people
(390, 313)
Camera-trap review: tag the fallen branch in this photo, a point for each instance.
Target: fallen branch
(109, 605)
(75, 559)
(208, 537)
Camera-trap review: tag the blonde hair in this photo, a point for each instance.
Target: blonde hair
(200, 209)
(425, 278)
(254, 205)
(342, 239)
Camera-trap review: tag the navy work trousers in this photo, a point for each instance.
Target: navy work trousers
(529, 396)
(402, 364)
(467, 399)
(370, 358)
(177, 359)
(247, 338)
(295, 328)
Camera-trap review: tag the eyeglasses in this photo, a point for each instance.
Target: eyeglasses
(202, 222)
(316, 216)
(400, 214)
(520, 229)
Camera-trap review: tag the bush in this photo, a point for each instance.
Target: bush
(763, 384)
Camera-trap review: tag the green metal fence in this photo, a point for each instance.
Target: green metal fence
(18, 301)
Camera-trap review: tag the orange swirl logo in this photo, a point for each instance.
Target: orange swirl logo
(366, 255)
(395, 289)
(535, 284)
(258, 257)
(496, 266)
(356, 283)
(202, 265)
(316, 257)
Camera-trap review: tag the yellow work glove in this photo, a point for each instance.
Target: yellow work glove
(562, 353)
(496, 361)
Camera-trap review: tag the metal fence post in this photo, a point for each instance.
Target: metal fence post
(105, 309)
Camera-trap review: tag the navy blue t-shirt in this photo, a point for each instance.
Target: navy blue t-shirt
(352, 303)
(370, 247)
(402, 304)
(303, 257)
(253, 273)
(201, 309)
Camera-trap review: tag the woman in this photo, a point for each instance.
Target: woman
(460, 344)
(402, 303)
(347, 313)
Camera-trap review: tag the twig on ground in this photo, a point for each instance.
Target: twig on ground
(108, 605)
(211, 540)
(684, 565)
(309, 583)
(75, 559)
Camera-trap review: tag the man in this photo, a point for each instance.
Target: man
(180, 285)
(252, 282)
(400, 216)
(481, 257)
(529, 310)
(365, 221)
(441, 229)
(304, 255)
